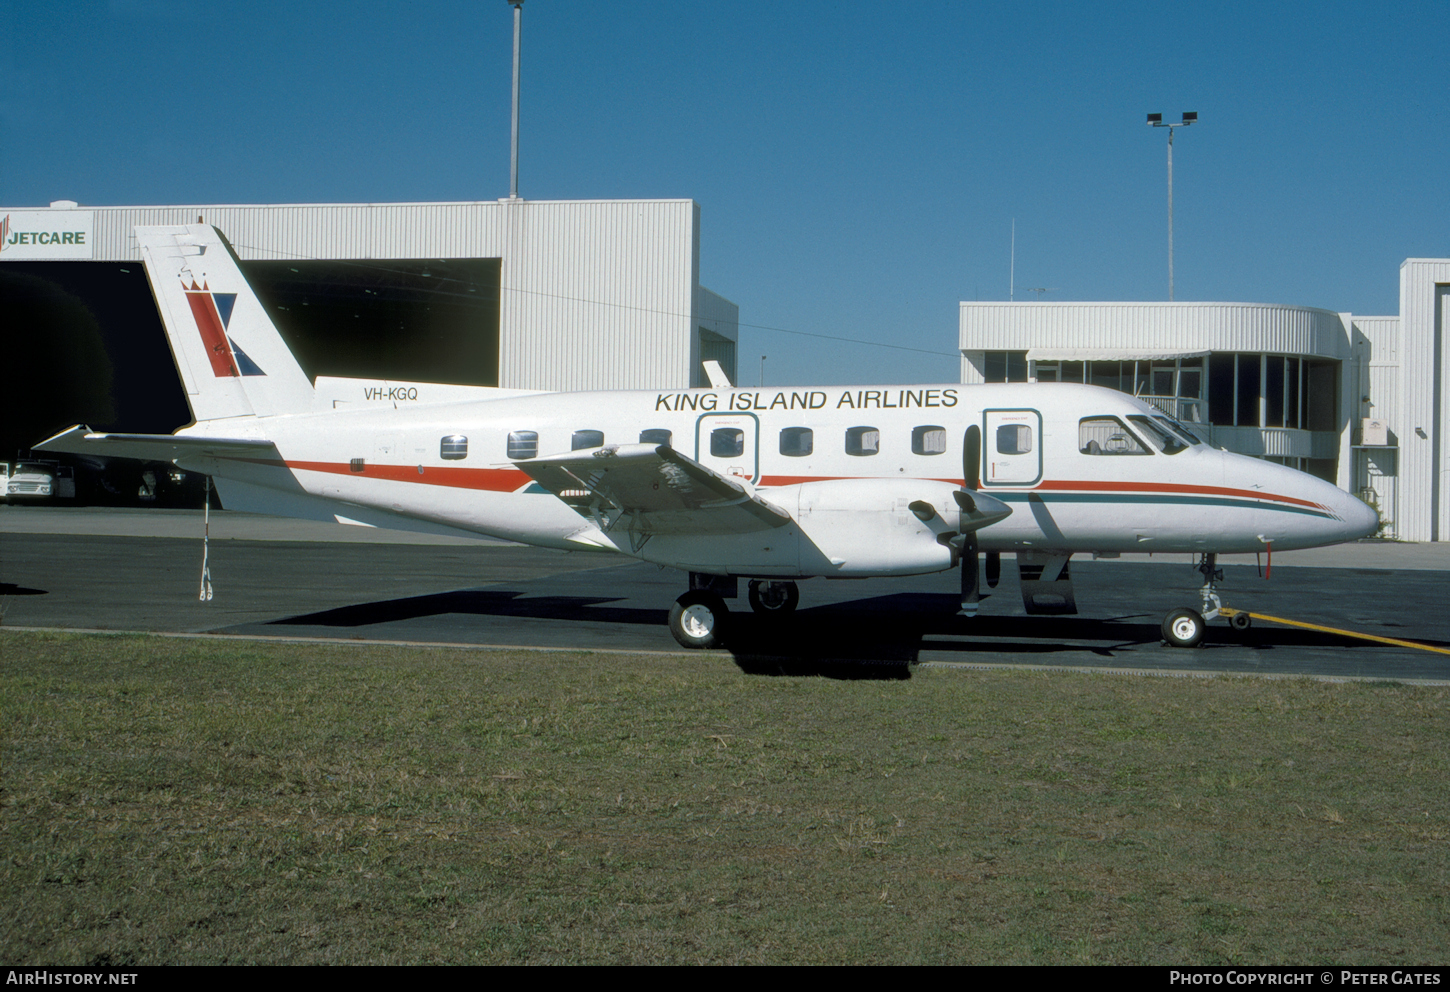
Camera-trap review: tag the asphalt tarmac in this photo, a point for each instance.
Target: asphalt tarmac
(139, 571)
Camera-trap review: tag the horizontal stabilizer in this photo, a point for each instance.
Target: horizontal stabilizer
(653, 489)
(81, 440)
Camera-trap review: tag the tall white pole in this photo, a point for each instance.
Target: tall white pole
(1156, 120)
(518, 6)
(1012, 267)
(1170, 215)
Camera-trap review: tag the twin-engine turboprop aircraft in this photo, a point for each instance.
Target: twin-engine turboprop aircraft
(772, 485)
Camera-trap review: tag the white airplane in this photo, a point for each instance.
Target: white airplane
(773, 485)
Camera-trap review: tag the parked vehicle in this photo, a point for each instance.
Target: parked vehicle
(30, 480)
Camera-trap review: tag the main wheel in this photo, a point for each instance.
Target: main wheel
(773, 597)
(698, 619)
(1184, 628)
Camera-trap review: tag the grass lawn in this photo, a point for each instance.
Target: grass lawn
(202, 801)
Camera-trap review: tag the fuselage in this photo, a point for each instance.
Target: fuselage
(1084, 469)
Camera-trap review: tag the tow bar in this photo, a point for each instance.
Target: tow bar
(1234, 615)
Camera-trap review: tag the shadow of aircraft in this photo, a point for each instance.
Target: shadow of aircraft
(877, 637)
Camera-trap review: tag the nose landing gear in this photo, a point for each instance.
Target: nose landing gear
(1184, 628)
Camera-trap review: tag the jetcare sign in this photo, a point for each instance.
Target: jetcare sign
(35, 234)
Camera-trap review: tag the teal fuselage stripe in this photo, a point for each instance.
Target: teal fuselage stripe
(1141, 498)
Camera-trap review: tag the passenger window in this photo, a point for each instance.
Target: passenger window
(797, 442)
(1014, 439)
(587, 439)
(453, 448)
(929, 441)
(1107, 436)
(523, 444)
(727, 442)
(655, 435)
(863, 441)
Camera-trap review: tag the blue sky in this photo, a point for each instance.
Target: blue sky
(858, 165)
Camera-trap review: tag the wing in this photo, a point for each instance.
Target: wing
(653, 489)
(80, 440)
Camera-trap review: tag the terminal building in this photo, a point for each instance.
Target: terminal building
(1356, 400)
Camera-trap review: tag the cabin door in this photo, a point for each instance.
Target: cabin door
(1012, 445)
(729, 443)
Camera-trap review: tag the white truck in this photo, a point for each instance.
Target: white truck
(31, 480)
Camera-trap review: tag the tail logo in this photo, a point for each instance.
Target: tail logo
(213, 313)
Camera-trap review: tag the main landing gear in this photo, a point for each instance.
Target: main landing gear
(700, 618)
(1184, 628)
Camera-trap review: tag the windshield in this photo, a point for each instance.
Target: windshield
(1160, 438)
(1179, 429)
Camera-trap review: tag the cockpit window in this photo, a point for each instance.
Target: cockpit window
(1179, 429)
(1159, 437)
(1107, 436)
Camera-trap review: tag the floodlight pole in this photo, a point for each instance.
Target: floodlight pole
(1156, 120)
(518, 6)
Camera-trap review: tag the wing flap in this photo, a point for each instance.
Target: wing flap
(657, 489)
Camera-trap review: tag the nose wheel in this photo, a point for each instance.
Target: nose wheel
(1184, 628)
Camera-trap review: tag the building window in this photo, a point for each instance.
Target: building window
(523, 444)
(453, 448)
(1005, 366)
(931, 440)
(863, 441)
(797, 442)
(586, 439)
(1221, 389)
(655, 435)
(727, 442)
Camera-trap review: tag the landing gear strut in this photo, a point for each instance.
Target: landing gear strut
(1184, 628)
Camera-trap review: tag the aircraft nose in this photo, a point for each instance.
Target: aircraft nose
(1360, 519)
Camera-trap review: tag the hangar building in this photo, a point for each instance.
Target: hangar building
(1355, 400)
(529, 294)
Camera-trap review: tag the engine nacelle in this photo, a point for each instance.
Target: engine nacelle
(872, 526)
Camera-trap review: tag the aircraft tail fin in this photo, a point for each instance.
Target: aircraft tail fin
(232, 360)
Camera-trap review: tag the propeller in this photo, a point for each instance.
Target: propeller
(971, 479)
(978, 510)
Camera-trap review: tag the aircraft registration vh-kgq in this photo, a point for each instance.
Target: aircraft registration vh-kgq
(771, 485)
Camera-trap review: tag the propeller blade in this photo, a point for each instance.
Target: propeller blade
(972, 517)
(994, 568)
(972, 458)
(971, 575)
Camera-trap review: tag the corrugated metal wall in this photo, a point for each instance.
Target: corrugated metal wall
(595, 294)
